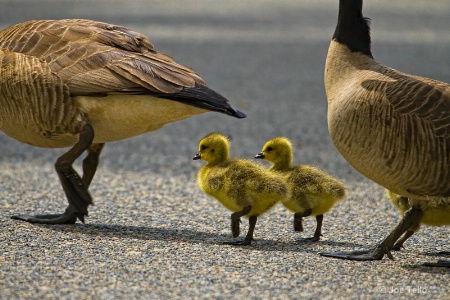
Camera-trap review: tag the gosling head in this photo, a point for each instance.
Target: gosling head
(278, 151)
(213, 148)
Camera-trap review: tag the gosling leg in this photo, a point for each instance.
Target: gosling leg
(298, 219)
(75, 188)
(411, 218)
(318, 232)
(236, 220)
(249, 237)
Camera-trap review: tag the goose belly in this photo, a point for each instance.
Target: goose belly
(398, 152)
(38, 126)
(117, 117)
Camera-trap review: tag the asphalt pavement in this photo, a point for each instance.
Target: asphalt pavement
(152, 234)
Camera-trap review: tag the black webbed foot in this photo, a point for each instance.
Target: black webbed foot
(310, 239)
(372, 254)
(65, 218)
(440, 263)
(411, 218)
(239, 243)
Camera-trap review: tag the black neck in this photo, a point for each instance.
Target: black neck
(352, 28)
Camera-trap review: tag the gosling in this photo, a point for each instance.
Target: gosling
(241, 186)
(313, 192)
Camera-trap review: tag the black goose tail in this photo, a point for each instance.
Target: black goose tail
(204, 97)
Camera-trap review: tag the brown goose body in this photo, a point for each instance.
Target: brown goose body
(83, 83)
(392, 127)
(58, 75)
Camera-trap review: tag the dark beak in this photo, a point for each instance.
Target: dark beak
(260, 155)
(197, 156)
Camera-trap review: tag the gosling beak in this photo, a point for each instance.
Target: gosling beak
(197, 156)
(260, 155)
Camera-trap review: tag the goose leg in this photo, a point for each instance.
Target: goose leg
(90, 163)
(399, 244)
(249, 237)
(298, 219)
(75, 188)
(411, 218)
(318, 232)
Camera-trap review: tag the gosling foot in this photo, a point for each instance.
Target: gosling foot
(313, 239)
(239, 243)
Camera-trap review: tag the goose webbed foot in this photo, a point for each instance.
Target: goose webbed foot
(371, 254)
(65, 218)
(411, 218)
(440, 263)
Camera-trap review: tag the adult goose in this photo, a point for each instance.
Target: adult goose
(392, 127)
(82, 83)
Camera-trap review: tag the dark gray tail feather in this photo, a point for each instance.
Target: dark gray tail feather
(204, 97)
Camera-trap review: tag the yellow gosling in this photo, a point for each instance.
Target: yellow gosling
(313, 192)
(436, 213)
(243, 187)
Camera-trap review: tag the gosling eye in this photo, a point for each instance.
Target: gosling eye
(268, 149)
(203, 147)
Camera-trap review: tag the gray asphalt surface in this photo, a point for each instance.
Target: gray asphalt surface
(153, 234)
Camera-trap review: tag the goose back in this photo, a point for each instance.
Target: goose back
(94, 57)
(57, 75)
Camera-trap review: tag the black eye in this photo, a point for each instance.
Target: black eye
(268, 149)
(203, 147)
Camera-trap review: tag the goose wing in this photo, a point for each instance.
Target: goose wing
(94, 57)
(421, 110)
(30, 92)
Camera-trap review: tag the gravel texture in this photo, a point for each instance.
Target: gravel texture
(153, 234)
